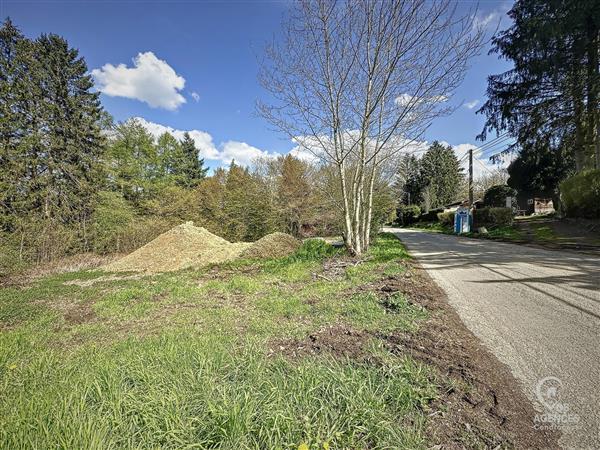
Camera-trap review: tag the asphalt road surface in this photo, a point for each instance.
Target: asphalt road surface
(538, 311)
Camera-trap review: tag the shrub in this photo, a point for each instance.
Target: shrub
(314, 249)
(492, 217)
(110, 221)
(446, 218)
(581, 194)
(408, 214)
(431, 216)
(495, 196)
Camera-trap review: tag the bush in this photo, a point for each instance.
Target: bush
(495, 196)
(580, 194)
(314, 249)
(446, 218)
(408, 214)
(431, 216)
(492, 217)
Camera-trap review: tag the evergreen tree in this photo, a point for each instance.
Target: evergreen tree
(552, 93)
(408, 184)
(191, 168)
(50, 129)
(70, 114)
(440, 175)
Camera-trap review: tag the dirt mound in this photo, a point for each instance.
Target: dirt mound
(181, 247)
(274, 245)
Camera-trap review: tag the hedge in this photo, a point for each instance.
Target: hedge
(431, 216)
(495, 196)
(492, 217)
(446, 218)
(580, 194)
(408, 214)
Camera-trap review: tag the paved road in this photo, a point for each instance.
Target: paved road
(537, 310)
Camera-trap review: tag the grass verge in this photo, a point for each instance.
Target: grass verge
(192, 359)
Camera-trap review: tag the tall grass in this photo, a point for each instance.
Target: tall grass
(184, 361)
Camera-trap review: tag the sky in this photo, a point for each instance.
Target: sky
(192, 65)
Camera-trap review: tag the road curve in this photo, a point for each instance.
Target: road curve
(537, 310)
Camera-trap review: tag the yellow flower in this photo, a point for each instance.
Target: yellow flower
(303, 446)
(12, 367)
(325, 445)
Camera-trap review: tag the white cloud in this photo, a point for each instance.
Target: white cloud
(242, 152)
(483, 20)
(151, 80)
(481, 165)
(406, 99)
(195, 96)
(472, 104)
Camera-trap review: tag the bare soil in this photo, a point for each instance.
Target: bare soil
(338, 340)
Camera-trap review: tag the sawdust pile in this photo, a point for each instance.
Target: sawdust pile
(179, 248)
(274, 245)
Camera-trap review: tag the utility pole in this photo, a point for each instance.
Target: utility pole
(471, 178)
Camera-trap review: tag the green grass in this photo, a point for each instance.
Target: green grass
(186, 360)
(544, 233)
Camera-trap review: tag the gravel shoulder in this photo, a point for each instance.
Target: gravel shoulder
(537, 311)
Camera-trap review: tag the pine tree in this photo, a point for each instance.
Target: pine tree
(440, 174)
(191, 169)
(50, 137)
(551, 96)
(69, 117)
(132, 162)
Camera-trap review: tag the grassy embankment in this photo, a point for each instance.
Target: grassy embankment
(192, 359)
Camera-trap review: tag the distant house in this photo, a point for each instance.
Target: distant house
(452, 207)
(533, 203)
(539, 205)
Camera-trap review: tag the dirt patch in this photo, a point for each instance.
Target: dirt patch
(481, 404)
(80, 313)
(274, 245)
(74, 263)
(335, 268)
(92, 281)
(337, 340)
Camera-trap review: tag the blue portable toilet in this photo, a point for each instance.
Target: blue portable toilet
(462, 220)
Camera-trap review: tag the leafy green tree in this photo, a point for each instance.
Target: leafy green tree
(132, 162)
(294, 194)
(495, 196)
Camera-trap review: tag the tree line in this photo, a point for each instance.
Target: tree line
(73, 181)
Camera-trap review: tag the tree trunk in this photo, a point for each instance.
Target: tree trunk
(592, 90)
(579, 148)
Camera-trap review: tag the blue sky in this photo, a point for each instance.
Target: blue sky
(213, 46)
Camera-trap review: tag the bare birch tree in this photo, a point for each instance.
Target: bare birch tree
(357, 82)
